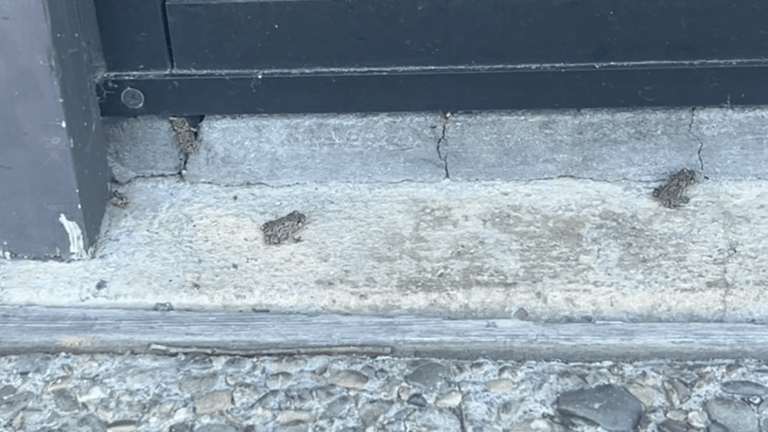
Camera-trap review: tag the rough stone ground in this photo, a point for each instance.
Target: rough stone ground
(93, 393)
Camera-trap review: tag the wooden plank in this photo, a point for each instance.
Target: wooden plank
(28, 329)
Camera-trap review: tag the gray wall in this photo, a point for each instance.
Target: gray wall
(39, 134)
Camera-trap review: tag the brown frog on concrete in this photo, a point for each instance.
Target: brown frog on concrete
(671, 194)
(283, 229)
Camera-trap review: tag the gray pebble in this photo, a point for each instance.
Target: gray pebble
(401, 415)
(123, 426)
(744, 388)
(6, 391)
(180, 427)
(371, 411)
(13, 404)
(427, 375)
(417, 399)
(293, 416)
(433, 420)
(65, 401)
(672, 426)
(677, 392)
(215, 428)
(91, 423)
(197, 385)
(449, 400)
(195, 361)
(569, 381)
(717, 427)
(507, 411)
(213, 402)
(298, 427)
(270, 400)
(609, 406)
(299, 398)
(279, 380)
(735, 415)
(324, 394)
(349, 379)
(240, 363)
(33, 363)
(337, 407)
(500, 385)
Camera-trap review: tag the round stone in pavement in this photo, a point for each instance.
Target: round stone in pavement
(610, 406)
(735, 415)
(427, 375)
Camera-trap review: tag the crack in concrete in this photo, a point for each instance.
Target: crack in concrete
(696, 137)
(118, 183)
(441, 151)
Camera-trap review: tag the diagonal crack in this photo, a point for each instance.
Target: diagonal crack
(696, 137)
(442, 152)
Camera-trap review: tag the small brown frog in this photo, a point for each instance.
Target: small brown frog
(671, 194)
(281, 230)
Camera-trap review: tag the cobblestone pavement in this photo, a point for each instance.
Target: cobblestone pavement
(102, 392)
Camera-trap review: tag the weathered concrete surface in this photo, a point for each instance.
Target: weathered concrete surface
(141, 147)
(735, 142)
(284, 150)
(558, 248)
(641, 145)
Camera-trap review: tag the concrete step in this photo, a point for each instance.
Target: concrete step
(546, 214)
(559, 249)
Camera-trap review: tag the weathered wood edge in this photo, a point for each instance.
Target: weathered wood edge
(39, 329)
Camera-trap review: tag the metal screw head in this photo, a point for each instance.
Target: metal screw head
(132, 98)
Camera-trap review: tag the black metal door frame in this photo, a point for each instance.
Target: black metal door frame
(193, 57)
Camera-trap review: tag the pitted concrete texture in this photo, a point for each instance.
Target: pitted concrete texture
(284, 150)
(561, 248)
(141, 147)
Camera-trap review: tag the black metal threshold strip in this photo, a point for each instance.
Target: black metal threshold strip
(40, 329)
(722, 84)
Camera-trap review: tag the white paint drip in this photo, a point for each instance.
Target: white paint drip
(76, 244)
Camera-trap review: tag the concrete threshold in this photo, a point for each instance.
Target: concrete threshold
(558, 250)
